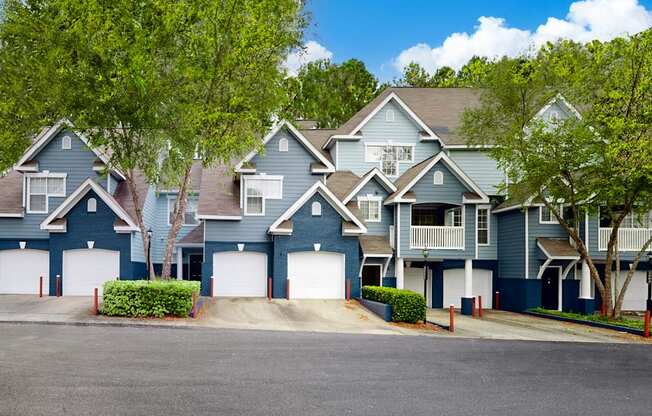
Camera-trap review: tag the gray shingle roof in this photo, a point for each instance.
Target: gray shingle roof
(196, 236)
(219, 193)
(318, 137)
(342, 182)
(11, 193)
(375, 244)
(557, 247)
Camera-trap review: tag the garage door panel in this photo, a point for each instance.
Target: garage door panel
(240, 274)
(413, 280)
(20, 271)
(636, 294)
(454, 287)
(87, 269)
(316, 275)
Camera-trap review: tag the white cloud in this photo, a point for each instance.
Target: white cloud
(312, 51)
(586, 20)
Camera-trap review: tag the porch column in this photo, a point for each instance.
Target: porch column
(585, 302)
(467, 299)
(179, 263)
(399, 272)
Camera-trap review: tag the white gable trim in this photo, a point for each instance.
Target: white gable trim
(393, 96)
(76, 196)
(375, 172)
(558, 99)
(306, 143)
(330, 197)
(455, 170)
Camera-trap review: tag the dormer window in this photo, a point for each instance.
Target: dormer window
(283, 145)
(66, 143)
(389, 116)
(39, 187)
(91, 205)
(316, 209)
(438, 178)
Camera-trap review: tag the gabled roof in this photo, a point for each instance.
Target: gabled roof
(123, 195)
(196, 236)
(375, 245)
(557, 248)
(351, 224)
(373, 173)
(54, 221)
(559, 99)
(219, 195)
(342, 182)
(308, 144)
(418, 171)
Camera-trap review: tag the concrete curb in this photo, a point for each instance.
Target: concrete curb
(587, 323)
(109, 324)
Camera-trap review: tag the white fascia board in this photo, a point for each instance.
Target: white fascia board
(558, 98)
(468, 146)
(341, 137)
(16, 215)
(375, 172)
(219, 217)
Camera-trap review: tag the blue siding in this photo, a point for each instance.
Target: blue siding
(540, 230)
(294, 166)
(387, 211)
(450, 192)
(160, 228)
(404, 130)
(76, 162)
(511, 245)
(594, 225)
(149, 212)
(480, 167)
(490, 252)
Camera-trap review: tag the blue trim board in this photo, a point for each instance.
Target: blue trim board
(211, 247)
(33, 244)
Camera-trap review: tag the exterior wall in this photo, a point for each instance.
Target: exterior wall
(490, 252)
(308, 230)
(161, 228)
(594, 224)
(540, 230)
(480, 167)
(83, 226)
(387, 211)
(294, 166)
(351, 155)
(149, 212)
(511, 244)
(450, 192)
(76, 162)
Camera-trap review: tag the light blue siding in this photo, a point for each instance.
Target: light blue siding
(294, 166)
(594, 225)
(351, 155)
(511, 245)
(149, 212)
(386, 213)
(450, 192)
(480, 167)
(161, 228)
(77, 162)
(490, 252)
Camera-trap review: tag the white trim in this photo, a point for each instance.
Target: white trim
(468, 146)
(370, 198)
(328, 195)
(283, 145)
(220, 217)
(337, 137)
(397, 161)
(77, 195)
(261, 177)
(315, 152)
(337, 156)
(560, 286)
(527, 245)
(477, 229)
(398, 230)
(315, 209)
(375, 172)
(173, 197)
(380, 269)
(2, 215)
(558, 98)
(43, 175)
(553, 219)
(442, 156)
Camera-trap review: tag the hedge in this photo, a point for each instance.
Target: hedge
(143, 298)
(407, 306)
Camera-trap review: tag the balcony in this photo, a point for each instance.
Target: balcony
(436, 237)
(629, 239)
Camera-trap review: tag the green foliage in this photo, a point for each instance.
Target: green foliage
(628, 323)
(329, 93)
(145, 298)
(473, 74)
(407, 306)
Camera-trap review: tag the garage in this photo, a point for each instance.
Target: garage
(413, 280)
(20, 271)
(316, 275)
(86, 269)
(454, 287)
(240, 274)
(636, 294)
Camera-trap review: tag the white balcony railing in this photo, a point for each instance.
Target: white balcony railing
(629, 239)
(436, 237)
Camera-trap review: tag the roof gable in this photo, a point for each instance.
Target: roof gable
(376, 175)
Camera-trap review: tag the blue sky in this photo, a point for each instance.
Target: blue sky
(387, 34)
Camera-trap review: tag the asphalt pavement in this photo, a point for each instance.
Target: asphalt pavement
(70, 370)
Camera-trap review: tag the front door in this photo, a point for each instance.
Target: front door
(194, 266)
(550, 288)
(371, 275)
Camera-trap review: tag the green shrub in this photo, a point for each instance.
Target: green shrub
(143, 298)
(407, 306)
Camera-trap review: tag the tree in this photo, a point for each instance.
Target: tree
(600, 162)
(472, 74)
(330, 93)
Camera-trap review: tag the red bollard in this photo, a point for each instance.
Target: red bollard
(451, 324)
(287, 290)
(269, 289)
(646, 326)
(58, 284)
(348, 290)
(40, 287)
(480, 306)
(473, 310)
(211, 287)
(96, 302)
(497, 301)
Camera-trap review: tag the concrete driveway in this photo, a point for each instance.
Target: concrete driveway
(31, 308)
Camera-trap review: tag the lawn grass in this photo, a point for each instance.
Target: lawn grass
(624, 322)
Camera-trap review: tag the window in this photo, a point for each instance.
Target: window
(91, 205)
(66, 143)
(483, 226)
(42, 186)
(283, 145)
(453, 217)
(389, 115)
(438, 178)
(546, 216)
(389, 156)
(189, 217)
(316, 209)
(259, 188)
(370, 207)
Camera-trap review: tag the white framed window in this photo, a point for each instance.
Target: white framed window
(257, 189)
(283, 145)
(189, 216)
(483, 225)
(438, 177)
(453, 217)
(40, 187)
(91, 205)
(546, 216)
(66, 143)
(389, 156)
(370, 206)
(316, 209)
(389, 115)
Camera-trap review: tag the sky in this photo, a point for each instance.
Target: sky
(389, 34)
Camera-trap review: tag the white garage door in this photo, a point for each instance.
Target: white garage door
(454, 287)
(240, 274)
(413, 280)
(636, 295)
(316, 275)
(86, 269)
(20, 271)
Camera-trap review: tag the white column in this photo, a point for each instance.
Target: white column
(585, 282)
(399, 273)
(468, 278)
(179, 263)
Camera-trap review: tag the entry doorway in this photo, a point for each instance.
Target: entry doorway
(371, 275)
(550, 290)
(194, 266)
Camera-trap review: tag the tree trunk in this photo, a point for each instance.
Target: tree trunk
(131, 184)
(630, 274)
(179, 212)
